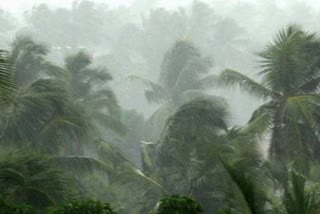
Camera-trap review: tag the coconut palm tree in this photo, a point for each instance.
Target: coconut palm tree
(185, 161)
(29, 178)
(39, 114)
(42, 117)
(182, 78)
(289, 84)
(45, 114)
(90, 89)
(29, 60)
(254, 193)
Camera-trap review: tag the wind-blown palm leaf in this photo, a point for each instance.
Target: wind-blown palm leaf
(290, 60)
(147, 191)
(156, 93)
(109, 122)
(28, 178)
(125, 177)
(181, 66)
(259, 125)
(28, 58)
(303, 108)
(261, 120)
(231, 78)
(81, 164)
(252, 193)
(154, 126)
(60, 130)
(6, 75)
(110, 154)
(102, 101)
(311, 85)
(298, 199)
(209, 113)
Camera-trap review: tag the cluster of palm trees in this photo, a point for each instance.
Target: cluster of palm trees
(199, 155)
(61, 116)
(50, 117)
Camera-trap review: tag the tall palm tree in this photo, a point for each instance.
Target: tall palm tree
(289, 83)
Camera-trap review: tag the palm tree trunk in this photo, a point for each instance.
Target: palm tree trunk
(278, 149)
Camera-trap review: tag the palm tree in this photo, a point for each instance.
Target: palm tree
(42, 117)
(46, 113)
(289, 84)
(254, 193)
(29, 60)
(185, 161)
(90, 91)
(39, 114)
(182, 79)
(28, 178)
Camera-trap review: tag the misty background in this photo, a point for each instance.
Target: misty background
(138, 96)
(130, 37)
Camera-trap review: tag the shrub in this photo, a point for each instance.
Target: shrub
(9, 208)
(84, 207)
(178, 205)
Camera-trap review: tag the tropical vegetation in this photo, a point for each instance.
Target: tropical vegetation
(69, 144)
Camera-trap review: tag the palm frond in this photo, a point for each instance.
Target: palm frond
(6, 74)
(109, 122)
(182, 64)
(259, 125)
(80, 164)
(156, 93)
(303, 108)
(28, 178)
(232, 78)
(297, 199)
(198, 114)
(252, 193)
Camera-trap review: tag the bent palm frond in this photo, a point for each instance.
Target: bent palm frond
(232, 78)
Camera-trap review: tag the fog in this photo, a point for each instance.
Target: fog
(129, 102)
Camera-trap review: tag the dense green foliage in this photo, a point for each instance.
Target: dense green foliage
(84, 207)
(69, 144)
(9, 208)
(178, 205)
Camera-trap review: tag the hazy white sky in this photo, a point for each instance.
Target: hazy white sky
(22, 5)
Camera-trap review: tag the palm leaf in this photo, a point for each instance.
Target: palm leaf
(156, 93)
(231, 78)
(80, 164)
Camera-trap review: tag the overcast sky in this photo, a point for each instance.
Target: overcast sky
(21, 5)
(17, 6)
